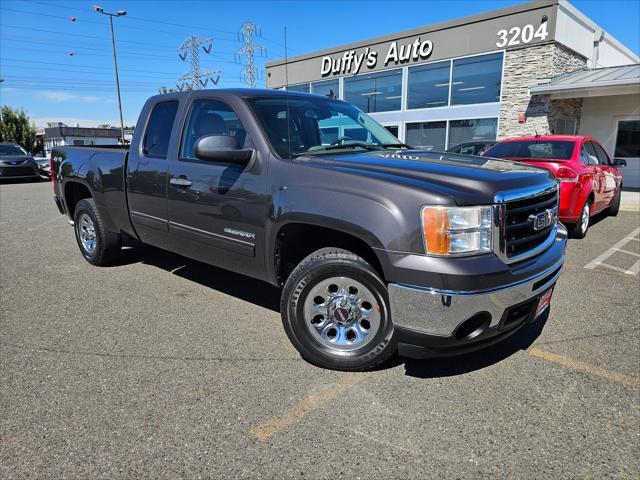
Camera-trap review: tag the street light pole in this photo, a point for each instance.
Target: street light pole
(119, 13)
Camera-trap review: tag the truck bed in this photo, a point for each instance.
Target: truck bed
(102, 171)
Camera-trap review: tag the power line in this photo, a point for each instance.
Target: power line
(89, 52)
(72, 69)
(39, 14)
(31, 29)
(249, 51)
(126, 73)
(191, 27)
(48, 42)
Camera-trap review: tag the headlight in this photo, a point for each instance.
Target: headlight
(456, 230)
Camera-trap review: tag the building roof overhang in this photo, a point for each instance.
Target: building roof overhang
(621, 80)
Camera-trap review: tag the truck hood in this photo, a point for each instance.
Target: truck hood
(468, 179)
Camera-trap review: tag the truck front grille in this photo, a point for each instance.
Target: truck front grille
(528, 222)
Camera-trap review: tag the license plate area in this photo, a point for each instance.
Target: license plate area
(544, 302)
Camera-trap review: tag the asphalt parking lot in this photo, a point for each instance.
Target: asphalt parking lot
(164, 367)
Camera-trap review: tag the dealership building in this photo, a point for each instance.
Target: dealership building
(539, 67)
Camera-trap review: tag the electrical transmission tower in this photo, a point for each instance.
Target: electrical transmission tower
(196, 78)
(249, 51)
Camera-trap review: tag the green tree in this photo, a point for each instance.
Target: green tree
(16, 128)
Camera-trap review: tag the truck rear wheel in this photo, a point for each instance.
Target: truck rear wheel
(335, 311)
(98, 245)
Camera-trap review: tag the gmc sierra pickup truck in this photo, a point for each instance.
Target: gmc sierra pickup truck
(377, 247)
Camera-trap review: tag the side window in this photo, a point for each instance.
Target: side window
(584, 156)
(468, 150)
(603, 158)
(591, 153)
(158, 133)
(212, 117)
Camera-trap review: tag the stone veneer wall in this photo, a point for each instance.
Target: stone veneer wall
(523, 67)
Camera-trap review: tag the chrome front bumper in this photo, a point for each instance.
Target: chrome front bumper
(440, 312)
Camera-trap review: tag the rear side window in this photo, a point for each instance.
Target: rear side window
(158, 133)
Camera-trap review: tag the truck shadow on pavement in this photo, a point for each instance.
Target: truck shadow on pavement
(239, 286)
(267, 296)
(461, 364)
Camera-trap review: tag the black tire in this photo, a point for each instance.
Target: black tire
(615, 205)
(107, 244)
(321, 266)
(578, 229)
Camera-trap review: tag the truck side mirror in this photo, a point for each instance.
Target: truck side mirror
(619, 162)
(222, 148)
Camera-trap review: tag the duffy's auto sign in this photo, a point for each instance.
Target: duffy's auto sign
(352, 61)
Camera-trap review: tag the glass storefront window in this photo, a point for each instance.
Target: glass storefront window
(476, 79)
(628, 139)
(461, 131)
(329, 88)
(426, 135)
(329, 135)
(302, 87)
(375, 92)
(392, 129)
(429, 85)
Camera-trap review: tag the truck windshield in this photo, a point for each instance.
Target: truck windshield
(532, 149)
(11, 150)
(309, 125)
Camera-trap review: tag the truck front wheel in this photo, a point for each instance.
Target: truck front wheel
(335, 311)
(98, 245)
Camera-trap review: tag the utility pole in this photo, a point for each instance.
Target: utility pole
(196, 78)
(119, 13)
(249, 50)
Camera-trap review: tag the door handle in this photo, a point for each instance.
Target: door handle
(180, 182)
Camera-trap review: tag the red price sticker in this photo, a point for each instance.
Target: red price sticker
(544, 303)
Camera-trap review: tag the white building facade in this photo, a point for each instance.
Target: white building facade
(63, 135)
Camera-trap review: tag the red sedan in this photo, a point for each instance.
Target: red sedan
(589, 181)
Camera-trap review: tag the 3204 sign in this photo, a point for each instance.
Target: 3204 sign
(517, 36)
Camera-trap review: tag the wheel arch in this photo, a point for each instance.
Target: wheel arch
(74, 191)
(294, 240)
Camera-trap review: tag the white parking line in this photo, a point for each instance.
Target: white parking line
(600, 260)
(628, 252)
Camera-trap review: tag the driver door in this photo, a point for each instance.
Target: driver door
(216, 210)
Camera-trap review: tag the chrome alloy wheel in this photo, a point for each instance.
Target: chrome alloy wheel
(342, 314)
(87, 233)
(584, 221)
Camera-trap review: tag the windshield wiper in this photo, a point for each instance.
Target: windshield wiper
(396, 145)
(366, 146)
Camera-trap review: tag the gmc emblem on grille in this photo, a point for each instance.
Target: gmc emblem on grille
(543, 219)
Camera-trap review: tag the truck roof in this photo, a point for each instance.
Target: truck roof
(241, 92)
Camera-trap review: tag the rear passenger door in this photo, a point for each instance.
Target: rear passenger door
(596, 176)
(217, 210)
(147, 172)
(607, 175)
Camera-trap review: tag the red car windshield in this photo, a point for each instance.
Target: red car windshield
(533, 149)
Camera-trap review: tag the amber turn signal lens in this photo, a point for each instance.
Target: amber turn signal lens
(435, 222)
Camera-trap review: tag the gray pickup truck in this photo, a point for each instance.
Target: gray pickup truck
(377, 247)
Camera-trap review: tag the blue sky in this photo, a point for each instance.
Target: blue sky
(57, 69)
